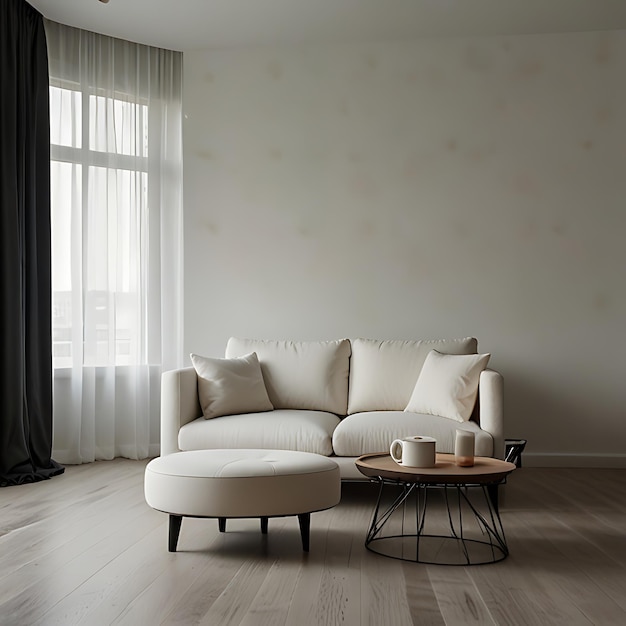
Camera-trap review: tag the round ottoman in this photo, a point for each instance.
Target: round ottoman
(241, 483)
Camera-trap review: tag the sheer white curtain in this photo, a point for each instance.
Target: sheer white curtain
(116, 177)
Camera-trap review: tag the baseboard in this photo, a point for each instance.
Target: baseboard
(561, 459)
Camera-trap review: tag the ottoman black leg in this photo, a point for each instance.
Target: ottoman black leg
(305, 526)
(221, 523)
(175, 522)
(264, 525)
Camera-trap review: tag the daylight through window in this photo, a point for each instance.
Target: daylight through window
(99, 184)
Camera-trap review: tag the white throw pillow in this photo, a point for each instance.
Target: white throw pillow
(230, 386)
(447, 385)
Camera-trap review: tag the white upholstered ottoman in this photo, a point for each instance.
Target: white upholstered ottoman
(241, 483)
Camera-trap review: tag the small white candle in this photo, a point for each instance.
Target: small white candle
(464, 448)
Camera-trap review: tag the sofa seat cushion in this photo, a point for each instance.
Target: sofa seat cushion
(364, 433)
(281, 429)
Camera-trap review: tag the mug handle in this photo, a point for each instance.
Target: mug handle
(392, 450)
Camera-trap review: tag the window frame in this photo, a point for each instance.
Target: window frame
(86, 157)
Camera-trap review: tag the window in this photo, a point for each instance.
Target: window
(99, 184)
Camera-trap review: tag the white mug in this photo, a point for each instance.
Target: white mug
(414, 451)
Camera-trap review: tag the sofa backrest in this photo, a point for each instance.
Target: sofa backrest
(309, 375)
(383, 373)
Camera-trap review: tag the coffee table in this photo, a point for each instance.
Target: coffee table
(470, 510)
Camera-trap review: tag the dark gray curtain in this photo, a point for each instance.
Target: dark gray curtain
(25, 315)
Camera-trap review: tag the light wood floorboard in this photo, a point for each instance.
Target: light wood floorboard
(84, 548)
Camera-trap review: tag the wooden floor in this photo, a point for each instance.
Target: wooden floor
(84, 548)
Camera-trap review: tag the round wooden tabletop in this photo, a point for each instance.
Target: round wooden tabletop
(484, 471)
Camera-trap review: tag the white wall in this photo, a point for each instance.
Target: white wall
(427, 189)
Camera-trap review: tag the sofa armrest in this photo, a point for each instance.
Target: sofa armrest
(491, 403)
(179, 405)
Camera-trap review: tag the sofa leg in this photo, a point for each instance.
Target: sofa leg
(174, 532)
(305, 526)
(264, 521)
(221, 523)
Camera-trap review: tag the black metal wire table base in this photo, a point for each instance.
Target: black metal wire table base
(476, 535)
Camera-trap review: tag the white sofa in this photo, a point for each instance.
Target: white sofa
(339, 398)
